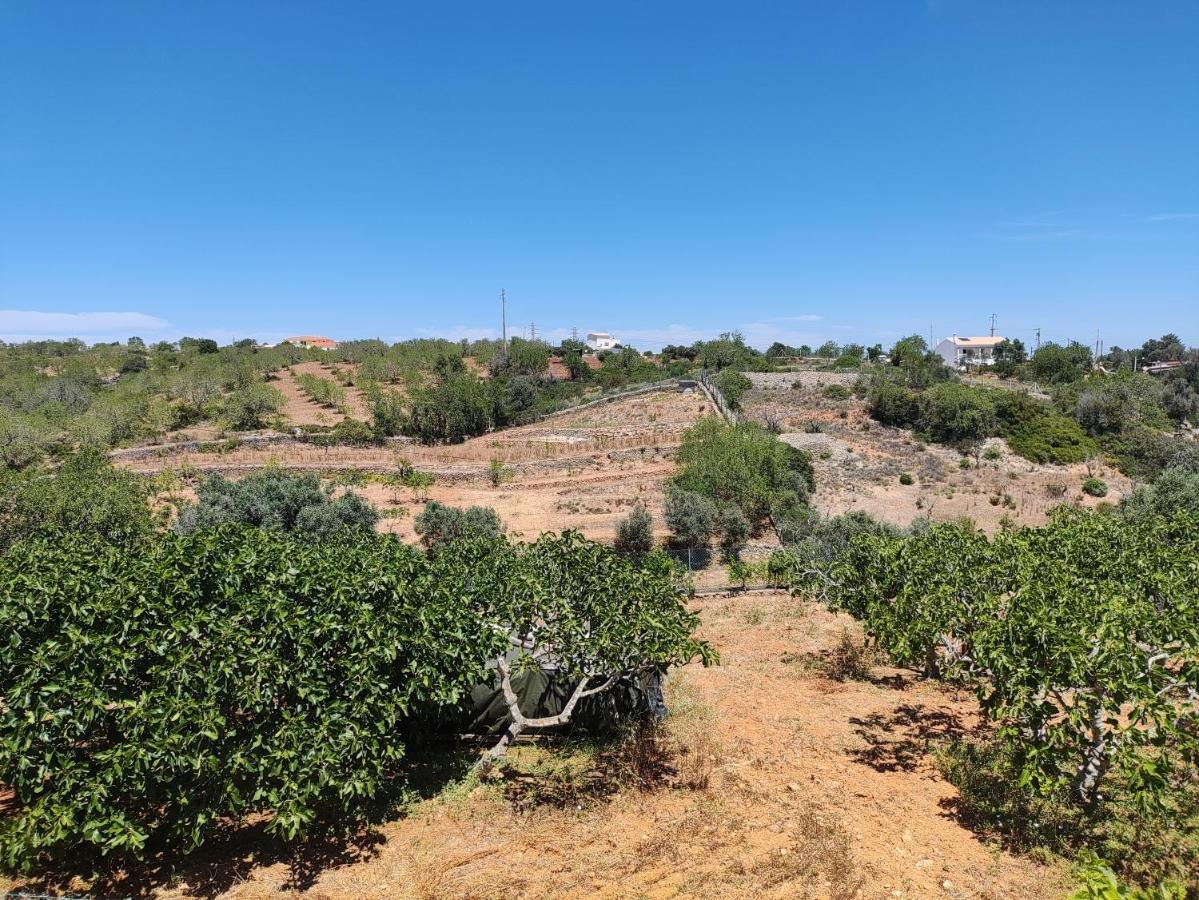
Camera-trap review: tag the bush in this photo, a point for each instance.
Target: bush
(958, 413)
(246, 408)
(1174, 491)
(1050, 438)
(276, 501)
(237, 674)
(439, 526)
(635, 533)
(734, 532)
(691, 517)
(1095, 487)
(85, 496)
(213, 676)
(836, 392)
(905, 478)
(353, 433)
(893, 404)
(743, 465)
(732, 386)
(451, 411)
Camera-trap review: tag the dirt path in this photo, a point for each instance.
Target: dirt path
(816, 788)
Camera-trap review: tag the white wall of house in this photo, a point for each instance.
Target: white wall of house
(958, 353)
(601, 340)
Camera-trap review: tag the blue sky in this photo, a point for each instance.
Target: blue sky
(667, 170)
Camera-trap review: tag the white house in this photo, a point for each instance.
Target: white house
(960, 352)
(601, 340)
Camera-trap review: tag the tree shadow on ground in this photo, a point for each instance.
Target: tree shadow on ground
(232, 854)
(899, 741)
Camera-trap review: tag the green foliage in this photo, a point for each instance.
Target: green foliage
(1096, 487)
(836, 392)
(451, 411)
(439, 526)
(743, 465)
(152, 698)
(635, 533)
(323, 391)
(387, 411)
(497, 472)
(1173, 491)
(246, 408)
(1144, 453)
(1080, 639)
(905, 478)
(1009, 354)
(86, 495)
(739, 571)
(957, 413)
(734, 531)
(213, 676)
(1099, 882)
(353, 432)
(893, 404)
(278, 501)
(732, 386)
(522, 358)
(1055, 364)
(691, 518)
(1051, 439)
(1112, 404)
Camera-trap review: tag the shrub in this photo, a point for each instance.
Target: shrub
(87, 495)
(323, 391)
(451, 411)
(734, 531)
(247, 408)
(691, 518)
(893, 404)
(439, 526)
(836, 392)
(744, 465)
(1095, 487)
(213, 676)
(849, 659)
(958, 413)
(1174, 491)
(635, 533)
(497, 472)
(992, 453)
(277, 501)
(1050, 438)
(905, 478)
(238, 673)
(353, 432)
(732, 386)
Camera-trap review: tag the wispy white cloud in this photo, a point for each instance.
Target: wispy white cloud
(1171, 217)
(27, 324)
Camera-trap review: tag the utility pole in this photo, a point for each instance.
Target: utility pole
(504, 318)
(1038, 340)
(992, 324)
(532, 331)
(574, 332)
